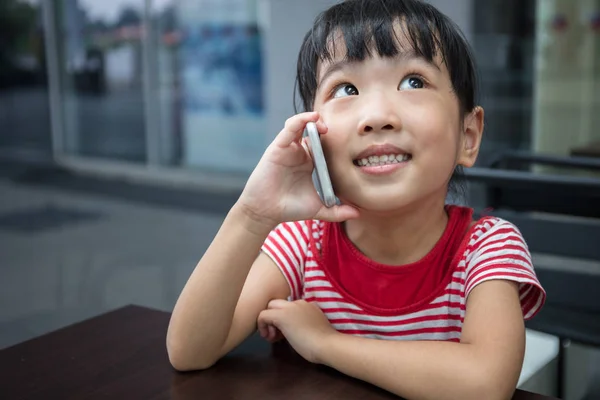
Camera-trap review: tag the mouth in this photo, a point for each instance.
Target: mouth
(382, 154)
(385, 159)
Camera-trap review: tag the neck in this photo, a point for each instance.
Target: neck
(402, 238)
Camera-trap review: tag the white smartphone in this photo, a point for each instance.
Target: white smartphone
(320, 176)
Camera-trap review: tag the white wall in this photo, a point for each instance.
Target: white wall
(460, 11)
(286, 23)
(566, 102)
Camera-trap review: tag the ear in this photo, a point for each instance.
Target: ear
(471, 137)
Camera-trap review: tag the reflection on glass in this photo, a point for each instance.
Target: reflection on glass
(210, 83)
(101, 63)
(166, 38)
(567, 108)
(24, 111)
(503, 42)
(539, 64)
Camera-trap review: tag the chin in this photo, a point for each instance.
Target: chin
(379, 201)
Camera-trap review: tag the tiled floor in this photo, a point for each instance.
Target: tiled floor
(66, 256)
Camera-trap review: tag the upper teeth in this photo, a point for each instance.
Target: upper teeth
(382, 160)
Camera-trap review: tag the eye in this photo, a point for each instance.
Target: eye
(345, 90)
(412, 82)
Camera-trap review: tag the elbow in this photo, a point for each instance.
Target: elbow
(490, 386)
(181, 360)
(182, 365)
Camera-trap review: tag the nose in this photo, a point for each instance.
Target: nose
(379, 113)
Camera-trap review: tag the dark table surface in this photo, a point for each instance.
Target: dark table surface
(122, 355)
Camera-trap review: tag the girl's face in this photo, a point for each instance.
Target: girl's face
(395, 133)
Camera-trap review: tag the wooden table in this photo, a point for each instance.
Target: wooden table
(122, 355)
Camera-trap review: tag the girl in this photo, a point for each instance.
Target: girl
(392, 286)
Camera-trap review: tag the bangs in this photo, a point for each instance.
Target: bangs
(385, 38)
(366, 28)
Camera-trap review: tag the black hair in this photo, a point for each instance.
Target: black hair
(368, 26)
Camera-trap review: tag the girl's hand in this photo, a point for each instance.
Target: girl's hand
(303, 324)
(281, 188)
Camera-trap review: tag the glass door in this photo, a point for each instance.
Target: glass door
(101, 72)
(24, 107)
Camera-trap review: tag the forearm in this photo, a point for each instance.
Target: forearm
(203, 314)
(418, 369)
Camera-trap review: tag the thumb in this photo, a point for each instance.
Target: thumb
(337, 213)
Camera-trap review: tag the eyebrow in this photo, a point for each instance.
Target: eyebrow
(345, 63)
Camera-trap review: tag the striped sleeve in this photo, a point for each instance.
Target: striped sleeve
(500, 252)
(287, 245)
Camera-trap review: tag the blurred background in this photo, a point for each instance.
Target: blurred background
(128, 129)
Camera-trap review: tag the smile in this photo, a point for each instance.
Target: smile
(375, 161)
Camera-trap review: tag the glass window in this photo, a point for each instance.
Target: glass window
(24, 109)
(210, 74)
(540, 72)
(101, 63)
(504, 44)
(567, 80)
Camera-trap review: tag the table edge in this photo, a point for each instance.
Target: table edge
(129, 307)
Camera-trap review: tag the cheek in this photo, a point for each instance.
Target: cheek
(338, 115)
(435, 129)
(334, 141)
(331, 147)
(336, 155)
(433, 125)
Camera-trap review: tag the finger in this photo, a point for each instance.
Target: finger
(337, 213)
(278, 304)
(321, 127)
(278, 336)
(294, 127)
(267, 318)
(304, 144)
(272, 333)
(263, 330)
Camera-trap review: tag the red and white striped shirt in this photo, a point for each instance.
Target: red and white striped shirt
(425, 300)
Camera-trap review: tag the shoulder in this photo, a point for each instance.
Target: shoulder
(494, 232)
(297, 230)
(495, 242)
(497, 251)
(294, 237)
